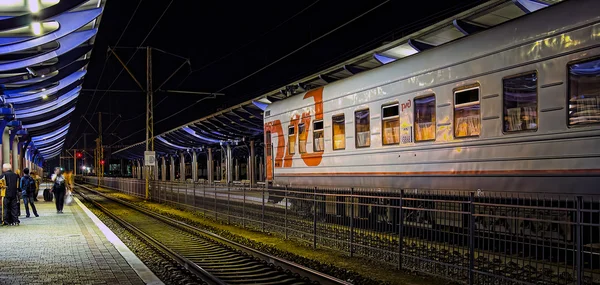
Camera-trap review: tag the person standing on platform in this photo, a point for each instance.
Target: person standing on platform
(36, 179)
(11, 204)
(27, 192)
(59, 188)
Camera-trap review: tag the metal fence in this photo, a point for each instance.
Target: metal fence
(471, 237)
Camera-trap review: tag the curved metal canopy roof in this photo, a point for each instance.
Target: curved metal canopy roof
(245, 121)
(45, 47)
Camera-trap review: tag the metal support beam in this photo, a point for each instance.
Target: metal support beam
(15, 153)
(209, 166)
(252, 165)
(155, 171)
(172, 169)
(182, 167)
(466, 28)
(236, 166)
(163, 170)
(194, 166)
(126, 68)
(353, 69)
(90, 124)
(419, 45)
(149, 114)
(327, 78)
(192, 92)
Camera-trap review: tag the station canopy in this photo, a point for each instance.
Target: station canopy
(45, 46)
(245, 121)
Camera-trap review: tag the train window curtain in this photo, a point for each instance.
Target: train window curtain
(425, 118)
(391, 124)
(520, 102)
(467, 122)
(584, 92)
(362, 128)
(339, 132)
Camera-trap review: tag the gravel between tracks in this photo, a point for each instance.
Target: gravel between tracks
(165, 269)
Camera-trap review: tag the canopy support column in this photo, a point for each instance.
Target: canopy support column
(194, 166)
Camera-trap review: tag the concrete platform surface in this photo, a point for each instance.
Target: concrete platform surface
(70, 248)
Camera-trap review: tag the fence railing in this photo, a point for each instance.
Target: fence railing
(469, 236)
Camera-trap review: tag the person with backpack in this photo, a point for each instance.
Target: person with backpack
(27, 192)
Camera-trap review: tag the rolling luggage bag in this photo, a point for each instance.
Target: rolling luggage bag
(47, 195)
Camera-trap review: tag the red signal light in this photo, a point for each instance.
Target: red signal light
(102, 162)
(79, 155)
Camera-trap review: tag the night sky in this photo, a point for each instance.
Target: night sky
(226, 41)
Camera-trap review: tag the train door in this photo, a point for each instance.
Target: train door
(269, 152)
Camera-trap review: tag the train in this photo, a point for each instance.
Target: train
(513, 108)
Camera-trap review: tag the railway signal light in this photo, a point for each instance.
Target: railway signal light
(79, 155)
(102, 162)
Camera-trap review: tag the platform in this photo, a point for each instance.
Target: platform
(70, 248)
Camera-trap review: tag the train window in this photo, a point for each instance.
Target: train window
(268, 143)
(291, 140)
(467, 121)
(584, 92)
(425, 118)
(520, 102)
(339, 132)
(390, 124)
(362, 123)
(302, 136)
(318, 136)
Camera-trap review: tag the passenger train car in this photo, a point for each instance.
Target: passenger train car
(512, 108)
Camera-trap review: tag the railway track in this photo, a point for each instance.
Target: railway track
(212, 258)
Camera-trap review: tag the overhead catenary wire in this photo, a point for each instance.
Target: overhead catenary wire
(286, 56)
(134, 53)
(142, 43)
(401, 30)
(104, 67)
(248, 43)
(164, 119)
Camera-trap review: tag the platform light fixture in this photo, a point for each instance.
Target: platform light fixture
(34, 6)
(36, 27)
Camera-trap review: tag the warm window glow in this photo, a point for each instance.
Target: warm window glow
(362, 128)
(520, 102)
(584, 93)
(339, 132)
(302, 136)
(318, 136)
(467, 121)
(425, 118)
(291, 140)
(391, 124)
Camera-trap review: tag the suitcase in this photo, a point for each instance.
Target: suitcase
(47, 195)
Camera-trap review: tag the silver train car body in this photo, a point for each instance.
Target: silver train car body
(553, 157)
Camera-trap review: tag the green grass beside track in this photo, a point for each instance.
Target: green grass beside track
(380, 272)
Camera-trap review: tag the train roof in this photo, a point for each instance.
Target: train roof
(521, 30)
(244, 121)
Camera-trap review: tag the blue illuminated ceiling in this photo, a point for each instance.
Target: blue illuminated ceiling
(45, 47)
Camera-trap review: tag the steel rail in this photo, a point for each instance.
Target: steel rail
(190, 265)
(303, 271)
